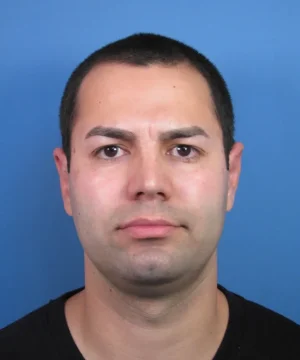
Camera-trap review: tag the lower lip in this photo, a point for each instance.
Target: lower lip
(149, 231)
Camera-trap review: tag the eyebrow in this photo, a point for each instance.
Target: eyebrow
(186, 132)
(111, 132)
(129, 136)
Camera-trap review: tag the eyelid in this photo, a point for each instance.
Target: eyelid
(199, 151)
(101, 148)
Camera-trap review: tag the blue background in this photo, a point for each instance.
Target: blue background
(255, 44)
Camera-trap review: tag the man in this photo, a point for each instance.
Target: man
(148, 168)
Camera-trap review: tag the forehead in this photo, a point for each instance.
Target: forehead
(121, 94)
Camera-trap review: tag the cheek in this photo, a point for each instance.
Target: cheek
(205, 199)
(94, 192)
(93, 200)
(204, 188)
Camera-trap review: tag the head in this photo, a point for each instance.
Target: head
(148, 132)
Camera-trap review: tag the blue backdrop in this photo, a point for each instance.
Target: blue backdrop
(255, 44)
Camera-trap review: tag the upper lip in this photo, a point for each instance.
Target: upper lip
(147, 222)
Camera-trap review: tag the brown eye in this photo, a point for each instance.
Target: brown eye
(184, 151)
(110, 152)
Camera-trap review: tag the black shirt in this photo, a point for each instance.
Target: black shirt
(253, 332)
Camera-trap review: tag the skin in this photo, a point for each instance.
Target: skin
(151, 298)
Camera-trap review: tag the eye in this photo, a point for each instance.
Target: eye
(184, 151)
(109, 152)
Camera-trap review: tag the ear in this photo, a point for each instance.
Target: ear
(62, 169)
(235, 162)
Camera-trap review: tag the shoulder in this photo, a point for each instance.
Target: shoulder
(265, 333)
(33, 334)
(267, 321)
(270, 334)
(25, 334)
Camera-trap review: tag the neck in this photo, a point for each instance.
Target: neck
(110, 325)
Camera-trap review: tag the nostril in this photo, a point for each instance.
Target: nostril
(150, 194)
(161, 194)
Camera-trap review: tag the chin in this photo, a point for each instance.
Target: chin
(152, 288)
(152, 280)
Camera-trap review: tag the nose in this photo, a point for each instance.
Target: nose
(149, 179)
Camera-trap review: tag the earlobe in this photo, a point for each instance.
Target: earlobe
(62, 169)
(235, 162)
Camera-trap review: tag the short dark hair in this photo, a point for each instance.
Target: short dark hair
(141, 50)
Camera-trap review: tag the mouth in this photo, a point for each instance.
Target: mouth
(143, 228)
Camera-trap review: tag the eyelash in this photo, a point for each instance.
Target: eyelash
(186, 159)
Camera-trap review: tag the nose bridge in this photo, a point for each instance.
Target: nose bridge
(148, 175)
(150, 168)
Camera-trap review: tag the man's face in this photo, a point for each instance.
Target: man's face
(165, 162)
